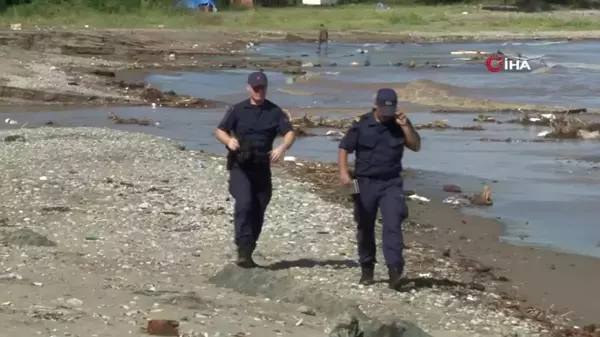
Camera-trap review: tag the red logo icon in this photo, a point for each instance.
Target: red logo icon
(494, 63)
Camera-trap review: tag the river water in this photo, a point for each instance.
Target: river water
(547, 194)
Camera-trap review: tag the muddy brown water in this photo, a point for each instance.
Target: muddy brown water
(545, 193)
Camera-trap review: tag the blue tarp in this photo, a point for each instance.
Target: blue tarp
(196, 4)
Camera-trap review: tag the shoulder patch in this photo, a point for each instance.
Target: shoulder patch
(358, 119)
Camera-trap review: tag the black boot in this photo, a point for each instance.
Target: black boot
(367, 276)
(395, 274)
(244, 259)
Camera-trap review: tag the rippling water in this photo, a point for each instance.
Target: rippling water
(547, 193)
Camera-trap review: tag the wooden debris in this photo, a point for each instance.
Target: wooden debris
(173, 100)
(570, 127)
(310, 122)
(484, 198)
(443, 125)
(562, 127)
(486, 119)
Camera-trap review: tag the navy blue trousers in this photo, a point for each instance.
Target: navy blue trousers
(387, 196)
(251, 190)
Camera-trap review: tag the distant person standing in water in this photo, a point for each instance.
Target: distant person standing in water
(323, 39)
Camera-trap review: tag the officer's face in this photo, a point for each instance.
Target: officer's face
(257, 93)
(383, 119)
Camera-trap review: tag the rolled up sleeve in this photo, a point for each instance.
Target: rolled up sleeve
(227, 124)
(350, 140)
(285, 125)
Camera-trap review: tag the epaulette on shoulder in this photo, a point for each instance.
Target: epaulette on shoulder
(361, 117)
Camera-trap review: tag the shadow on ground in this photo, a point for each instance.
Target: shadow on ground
(310, 263)
(277, 284)
(417, 283)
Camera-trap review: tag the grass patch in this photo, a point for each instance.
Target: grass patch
(348, 17)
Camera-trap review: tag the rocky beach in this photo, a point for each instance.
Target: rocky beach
(102, 230)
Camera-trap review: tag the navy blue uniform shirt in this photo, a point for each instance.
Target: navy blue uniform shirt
(257, 124)
(379, 147)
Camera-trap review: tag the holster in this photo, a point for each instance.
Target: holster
(230, 159)
(242, 156)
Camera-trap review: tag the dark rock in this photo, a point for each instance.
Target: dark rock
(60, 209)
(281, 285)
(104, 73)
(275, 285)
(357, 327)
(446, 252)
(14, 138)
(452, 188)
(26, 237)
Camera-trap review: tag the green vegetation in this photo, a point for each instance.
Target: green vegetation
(403, 17)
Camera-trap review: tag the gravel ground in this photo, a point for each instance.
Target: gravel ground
(104, 229)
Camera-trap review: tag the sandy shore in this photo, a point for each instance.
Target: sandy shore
(149, 236)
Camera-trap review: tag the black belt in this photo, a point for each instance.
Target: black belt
(379, 177)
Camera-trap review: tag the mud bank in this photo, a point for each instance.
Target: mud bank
(81, 67)
(50, 67)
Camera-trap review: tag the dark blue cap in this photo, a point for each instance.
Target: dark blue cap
(257, 79)
(387, 102)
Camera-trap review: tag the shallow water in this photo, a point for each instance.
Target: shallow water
(547, 193)
(572, 81)
(533, 185)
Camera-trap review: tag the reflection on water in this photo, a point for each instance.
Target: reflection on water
(546, 192)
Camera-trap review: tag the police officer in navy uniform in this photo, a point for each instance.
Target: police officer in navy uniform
(378, 139)
(248, 130)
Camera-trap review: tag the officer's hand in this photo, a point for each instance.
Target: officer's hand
(233, 144)
(277, 154)
(401, 118)
(345, 178)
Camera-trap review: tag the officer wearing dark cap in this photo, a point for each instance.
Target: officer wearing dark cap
(378, 138)
(248, 130)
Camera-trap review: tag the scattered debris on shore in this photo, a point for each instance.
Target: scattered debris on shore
(439, 125)
(561, 127)
(483, 198)
(301, 124)
(538, 119)
(169, 99)
(486, 119)
(510, 111)
(311, 122)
